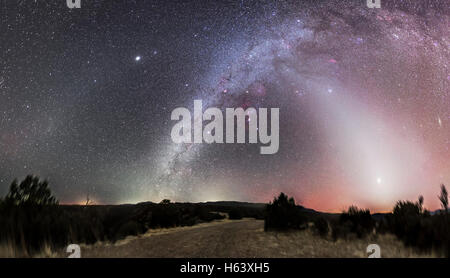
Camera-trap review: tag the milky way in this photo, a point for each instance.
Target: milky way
(86, 96)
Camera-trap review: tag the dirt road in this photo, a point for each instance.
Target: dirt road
(241, 238)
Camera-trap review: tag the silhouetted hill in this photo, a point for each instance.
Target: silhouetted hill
(235, 203)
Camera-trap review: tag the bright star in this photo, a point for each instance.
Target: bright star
(138, 58)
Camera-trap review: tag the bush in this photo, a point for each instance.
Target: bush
(30, 192)
(418, 228)
(235, 214)
(30, 217)
(359, 221)
(340, 230)
(129, 228)
(283, 214)
(407, 221)
(321, 226)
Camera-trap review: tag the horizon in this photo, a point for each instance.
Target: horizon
(81, 203)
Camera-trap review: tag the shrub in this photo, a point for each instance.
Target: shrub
(30, 217)
(165, 202)
(340, 230)
(129, 228)
(321, 226)
(30, 192)
(407, 221)
(235, 214)
(283, 214)
(416, 227)
(359, 221)
(443, 197)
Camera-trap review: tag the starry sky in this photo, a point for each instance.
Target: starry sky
(86, 96)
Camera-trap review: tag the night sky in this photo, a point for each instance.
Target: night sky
(86, 97)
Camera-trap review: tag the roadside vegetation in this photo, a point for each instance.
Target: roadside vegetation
(33, 222)
(414, 225)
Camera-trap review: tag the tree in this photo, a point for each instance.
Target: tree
(421, 203)
(407, 218)
(283, 213)
(89, 202)
(165, 202)
(443, 197)
(359, 221)
(31, 191)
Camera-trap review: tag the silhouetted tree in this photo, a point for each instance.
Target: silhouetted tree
(282, 213)
(443, 197)
(420, 202)
(165, 202)
(30, 217)
(359, 221)
(407, 221)
(30, 191)
(89, 202)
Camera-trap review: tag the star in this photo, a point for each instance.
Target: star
(351, 119)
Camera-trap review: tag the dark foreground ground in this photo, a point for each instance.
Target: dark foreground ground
(239, 238)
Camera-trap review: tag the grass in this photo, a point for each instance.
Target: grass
(307, 244)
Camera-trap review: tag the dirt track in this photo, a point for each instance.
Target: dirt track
(243, 238)
(217, 239)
